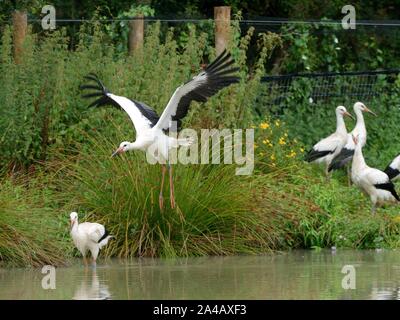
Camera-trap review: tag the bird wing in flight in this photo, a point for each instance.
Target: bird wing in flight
(207, 83)
(142, 116)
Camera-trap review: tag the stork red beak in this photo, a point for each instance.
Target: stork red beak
(348, 114)
(370, 111)
(117, 152)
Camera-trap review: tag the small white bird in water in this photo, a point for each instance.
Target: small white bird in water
(88, 236)
(373, 182)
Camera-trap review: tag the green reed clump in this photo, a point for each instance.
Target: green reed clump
(31, 230)
(214, 215)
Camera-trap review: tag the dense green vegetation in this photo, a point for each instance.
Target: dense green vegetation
(55, 153)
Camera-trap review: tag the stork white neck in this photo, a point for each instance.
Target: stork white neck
(340, 124)
(132, 146)
(360, 124)
(74, 227)
(358, 158)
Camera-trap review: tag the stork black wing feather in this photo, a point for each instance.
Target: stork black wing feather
(217, 60)
(388, 186)
(148, 112)
(99, 90)
(344, 157)
(313, 155)
(391, 172)
(219, 74)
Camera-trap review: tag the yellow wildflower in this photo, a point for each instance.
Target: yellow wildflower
(277, 123)
(270, 145)
(282, 141)
(291, 154)
(266, 141)
(286, 134)
(261, 154)
(273, 164)
(301, 149)
(272, 157)
(264, 125)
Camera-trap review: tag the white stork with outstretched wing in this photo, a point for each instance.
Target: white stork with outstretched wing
(151, 129)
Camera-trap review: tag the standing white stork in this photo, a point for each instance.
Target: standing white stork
(393, 169)
(326, 149)
(151, 129)
(373, 182)
(88, 236)
(346, 154)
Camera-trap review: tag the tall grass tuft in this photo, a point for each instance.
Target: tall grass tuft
(31, 231)
(214, 215)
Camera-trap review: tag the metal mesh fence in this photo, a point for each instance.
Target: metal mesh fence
(325, 87)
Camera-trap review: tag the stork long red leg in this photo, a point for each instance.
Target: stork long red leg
(160, 197)
(171, 188)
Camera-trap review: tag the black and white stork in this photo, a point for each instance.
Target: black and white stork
(326, 149)
(393, 169)
(373, 182)
(88, 236)
(346, 154)
(150, 128)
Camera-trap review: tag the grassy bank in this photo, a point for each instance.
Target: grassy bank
(217, 212)
(32, 229)
(55, 158)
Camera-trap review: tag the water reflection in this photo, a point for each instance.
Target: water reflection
(292, 275)
(90, 288)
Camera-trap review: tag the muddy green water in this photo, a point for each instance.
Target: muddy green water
(293, 275)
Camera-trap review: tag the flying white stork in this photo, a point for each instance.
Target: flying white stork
(151, 129)
(372, 182)
(346, 154)
(88, 236)
(326, 149)
(393, 169)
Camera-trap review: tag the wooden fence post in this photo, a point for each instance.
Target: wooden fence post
(136, 34)
(222, 17)
(20, 27)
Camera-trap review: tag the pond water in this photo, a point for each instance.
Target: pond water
(293, 275)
